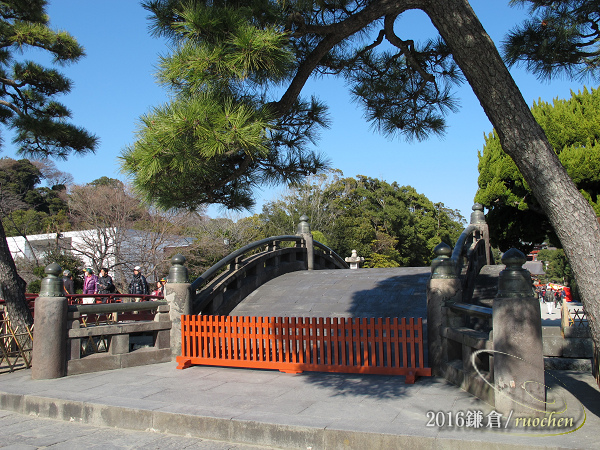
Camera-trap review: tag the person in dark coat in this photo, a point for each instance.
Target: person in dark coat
(138, 284)
(68, 285)
(105, 284)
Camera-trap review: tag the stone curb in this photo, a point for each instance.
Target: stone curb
(228, 429)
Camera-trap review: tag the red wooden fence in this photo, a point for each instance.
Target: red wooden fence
(386, 346)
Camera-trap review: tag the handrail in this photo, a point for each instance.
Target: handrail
(103, 308)
(111, 298)
(460, 243)
(475, 310)
(335, 256)
(232, 256)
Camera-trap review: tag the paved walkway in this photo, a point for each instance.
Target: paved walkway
(272, 409)
(28, 433)
(268, 408)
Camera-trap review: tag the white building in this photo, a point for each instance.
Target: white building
(115, 248)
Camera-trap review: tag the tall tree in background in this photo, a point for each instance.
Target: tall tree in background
(25, 206)
(27, 106)
(390, 225)
(119, 232)
(404, 87)
(515, 217)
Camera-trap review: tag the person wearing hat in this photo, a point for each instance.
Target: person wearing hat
(68, 285)
(89, 282)
(138, 284)
(89, 285)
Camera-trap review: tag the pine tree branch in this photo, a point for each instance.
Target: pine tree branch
(336, 33)
(12, 106)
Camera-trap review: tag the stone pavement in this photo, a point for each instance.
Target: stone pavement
(18, 432)
(308, 410)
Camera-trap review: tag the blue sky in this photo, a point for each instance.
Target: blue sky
(114, 85)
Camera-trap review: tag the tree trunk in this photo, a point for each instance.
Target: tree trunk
(524, 140)
(12, 287)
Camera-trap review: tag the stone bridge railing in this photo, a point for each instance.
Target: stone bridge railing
(500, 360)
(64, 334)
(222, 287)
(118, 338)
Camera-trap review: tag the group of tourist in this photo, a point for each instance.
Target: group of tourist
(102, 284)
(551, 296)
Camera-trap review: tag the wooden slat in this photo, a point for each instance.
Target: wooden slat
(293, 344)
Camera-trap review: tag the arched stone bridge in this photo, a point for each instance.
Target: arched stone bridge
(393, 292)
(270, 278)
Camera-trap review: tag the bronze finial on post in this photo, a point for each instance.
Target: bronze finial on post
(178, 273)
(477, 215)
(442, 265)
(52, 283)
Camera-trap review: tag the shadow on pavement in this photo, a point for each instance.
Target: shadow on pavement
(588, 395)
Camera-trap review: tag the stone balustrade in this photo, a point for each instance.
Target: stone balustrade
(62, 331)
(500, 358)
(119, 338)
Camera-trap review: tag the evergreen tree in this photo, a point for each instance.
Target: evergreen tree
(216, 139)
(558, 269)
(404, 87)
(390, 225)
(28, 106)
(561, 36)
(515, 217)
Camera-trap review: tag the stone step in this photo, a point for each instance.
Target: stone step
(567, 347)
(577, 364)
(553, 331)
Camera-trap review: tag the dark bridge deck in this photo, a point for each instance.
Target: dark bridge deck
(393, 292)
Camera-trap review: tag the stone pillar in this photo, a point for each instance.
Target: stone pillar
(49, 356)
(517, 334)
(354, 261)
(304, 231)
(443, 286)
(179, 296)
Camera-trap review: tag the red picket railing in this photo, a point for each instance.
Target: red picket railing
(385, 346)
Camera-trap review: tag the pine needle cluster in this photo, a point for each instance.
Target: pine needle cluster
(28, 89)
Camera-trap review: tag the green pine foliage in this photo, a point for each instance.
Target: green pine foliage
(236, 120)
(573, 129)
(27, 97)
(560, 36)
(219, 137)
